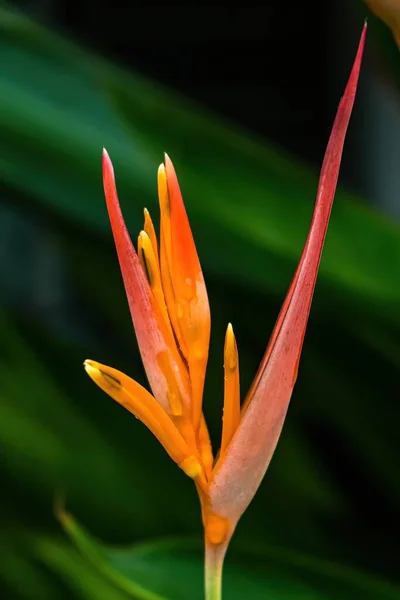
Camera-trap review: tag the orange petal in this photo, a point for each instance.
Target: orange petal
(239, 472)
(231, 415)
(151, 333)
(190, 294)
(145, 407)
(165, 256)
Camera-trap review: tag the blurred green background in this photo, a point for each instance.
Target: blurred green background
(242, 99)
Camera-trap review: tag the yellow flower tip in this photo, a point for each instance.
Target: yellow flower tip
(148, 258)
(217, 529)
(149, 229)
(231, 416)
(143, 257)
(143, 236)
(231, 352)
(91, 369)
(162, 183)
(147, 220)
(191, 466)
(103, 379)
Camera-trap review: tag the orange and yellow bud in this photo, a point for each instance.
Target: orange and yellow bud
(186, 288)
(151, 232)
(231, 415)
(135, 398)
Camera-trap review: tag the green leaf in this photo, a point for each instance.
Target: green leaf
(173, 570)
(74, 571)
(21, 576)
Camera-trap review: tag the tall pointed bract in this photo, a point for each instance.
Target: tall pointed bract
(239, 473)
(191, 310)
(155, 342)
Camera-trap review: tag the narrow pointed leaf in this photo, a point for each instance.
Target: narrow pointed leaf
(240, 471)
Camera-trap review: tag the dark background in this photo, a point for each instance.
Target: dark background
(263, 84)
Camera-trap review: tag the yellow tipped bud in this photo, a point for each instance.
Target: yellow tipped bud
(231, 353)
(152, 270)
(149, 229)
(102, 378)
(231, 415)
(145, 407)
(147, 258)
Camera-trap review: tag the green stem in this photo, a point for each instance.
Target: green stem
(214, 562)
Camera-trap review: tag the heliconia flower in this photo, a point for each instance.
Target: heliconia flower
(389, 12)
(169, 306)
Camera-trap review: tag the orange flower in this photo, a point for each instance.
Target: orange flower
(169, 306)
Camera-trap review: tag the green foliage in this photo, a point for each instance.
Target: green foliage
(249, 207)
(144, 572)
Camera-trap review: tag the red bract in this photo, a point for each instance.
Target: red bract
(240, 470)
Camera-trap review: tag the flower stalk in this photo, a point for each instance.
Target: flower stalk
(214, 562)
(168, 302)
